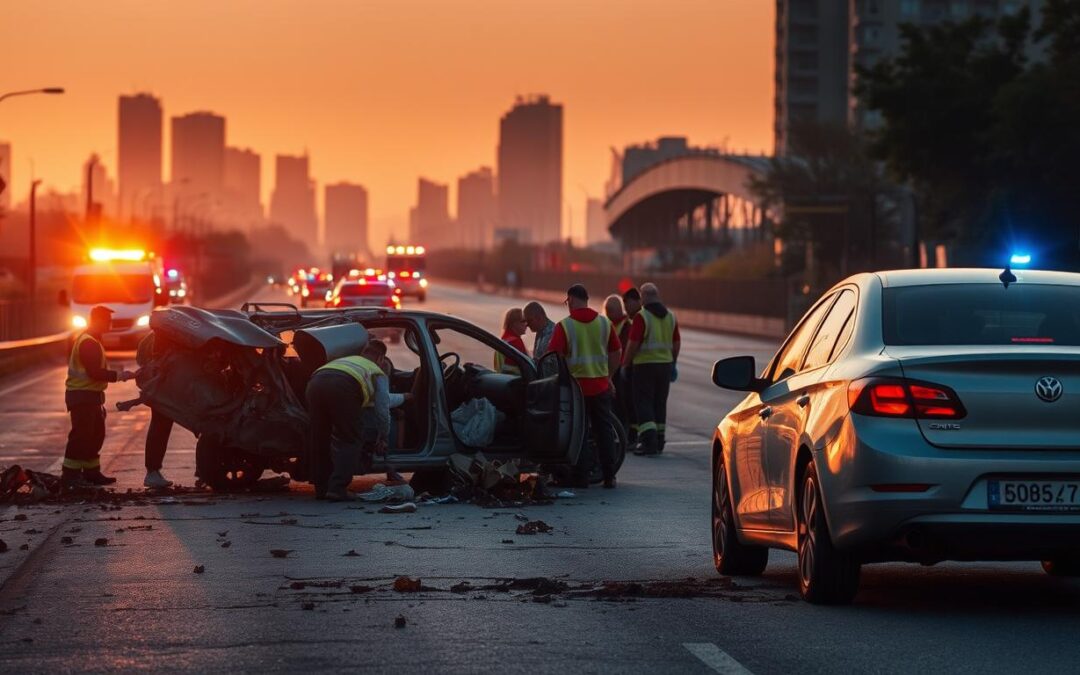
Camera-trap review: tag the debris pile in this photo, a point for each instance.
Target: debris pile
(494, 483)
(534, 527)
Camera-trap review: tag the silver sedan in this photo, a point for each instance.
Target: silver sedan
(914, 415)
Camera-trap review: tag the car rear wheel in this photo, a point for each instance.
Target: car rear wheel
(1065, 566)
(731, 556)
(827, 576)
(225, 469)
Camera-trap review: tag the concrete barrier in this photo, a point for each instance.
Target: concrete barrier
(717, 322)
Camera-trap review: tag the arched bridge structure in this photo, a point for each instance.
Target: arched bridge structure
(698, 201)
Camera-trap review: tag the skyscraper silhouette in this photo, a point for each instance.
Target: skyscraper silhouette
(346, 231)
(138, 156)
(429, 220)
(477, 209)
(5, 176)
(292, 203)
(243, 185)
(530, 170)
(198, 167)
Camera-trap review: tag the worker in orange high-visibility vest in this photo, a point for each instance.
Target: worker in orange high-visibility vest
(592, 351)
(88, 376)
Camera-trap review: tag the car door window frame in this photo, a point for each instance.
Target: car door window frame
(528, 368)
(828, 299)
(803, 367)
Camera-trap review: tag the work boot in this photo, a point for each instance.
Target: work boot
(647, 446)
(342, 496)
(71, 480)
(95, 477)
(154, 479)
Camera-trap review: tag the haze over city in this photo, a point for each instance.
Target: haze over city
(378, 96)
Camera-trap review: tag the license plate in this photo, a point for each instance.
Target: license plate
(1034, 495)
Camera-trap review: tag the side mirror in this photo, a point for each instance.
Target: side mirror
(62, 298)
(736, 373)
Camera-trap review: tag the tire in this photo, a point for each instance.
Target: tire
(730, 556)
(1065, 566)
(827, 576)
(596, 474)
(225, 469)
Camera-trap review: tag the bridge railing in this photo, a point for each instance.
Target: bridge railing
(23, 319)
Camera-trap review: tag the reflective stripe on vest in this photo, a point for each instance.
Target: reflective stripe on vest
(587, 345)
(78, 379)
(362, 370)
(659, 339)
(501, 366)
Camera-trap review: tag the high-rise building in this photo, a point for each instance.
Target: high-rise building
(477, 209)
(346, 219)
(429, 220)
(811, 65)
(243, 188)
(292, 204)
(595, 223)
(198, 153)
(138, 156)
(98, 190)
(874, 32)
(5, 177)
(530, 170)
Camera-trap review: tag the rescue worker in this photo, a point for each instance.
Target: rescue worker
(88, 376)
(349, 404)
(613, 310)
(653, 352)
(592, 352)
(513, 329)
(537, 320)
(625, 382)
(161, 425)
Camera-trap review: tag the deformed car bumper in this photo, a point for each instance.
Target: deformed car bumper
(890, 495)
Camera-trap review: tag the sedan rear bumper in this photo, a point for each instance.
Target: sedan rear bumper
(948, 520)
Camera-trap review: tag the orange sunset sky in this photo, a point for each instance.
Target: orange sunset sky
(383, 91)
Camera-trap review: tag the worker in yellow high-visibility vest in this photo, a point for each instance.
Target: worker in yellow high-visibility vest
(88, 377)
(652, 351)
(592, 352)
(349, 403)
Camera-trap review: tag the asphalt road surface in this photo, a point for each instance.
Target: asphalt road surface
(134, 602)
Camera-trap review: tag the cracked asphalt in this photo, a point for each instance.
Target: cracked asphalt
(623, 582)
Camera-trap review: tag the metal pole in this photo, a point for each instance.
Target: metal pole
(90, 185)
(32, 276)
(46, 90)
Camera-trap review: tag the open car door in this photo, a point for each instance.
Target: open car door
(555, 415)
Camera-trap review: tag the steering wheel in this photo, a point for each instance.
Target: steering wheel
(448, 369)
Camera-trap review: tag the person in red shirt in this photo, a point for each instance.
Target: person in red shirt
(593, 373)
(513, 328)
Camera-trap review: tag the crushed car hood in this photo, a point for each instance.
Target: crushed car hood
(192, 327)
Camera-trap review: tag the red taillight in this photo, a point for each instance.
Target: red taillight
(882, 397)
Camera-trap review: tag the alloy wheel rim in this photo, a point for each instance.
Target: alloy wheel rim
(808, 530)
(720, 505)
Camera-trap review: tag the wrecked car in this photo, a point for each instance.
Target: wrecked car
(236, 379)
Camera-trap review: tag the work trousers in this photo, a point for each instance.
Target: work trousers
(598, 408)
(342, 430)
(157, 439)
(624, 401)
(86, 437)
(652, 382)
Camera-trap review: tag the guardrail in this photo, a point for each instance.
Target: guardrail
(22, 319)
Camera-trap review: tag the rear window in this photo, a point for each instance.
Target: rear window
(132, 289)
(359, 290)
(982, 314)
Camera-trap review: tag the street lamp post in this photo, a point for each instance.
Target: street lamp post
(45, 90)
(32, 276)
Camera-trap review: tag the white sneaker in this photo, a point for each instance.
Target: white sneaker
(154, 479)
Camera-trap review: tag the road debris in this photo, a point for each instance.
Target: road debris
(101, 541)
(407, 507)
(407, 585)
(226, 544)
(19, 516)
(400, 622)
(66, 540)
(280, 552)
(351, 554)
(534, 527)
(3, 546)
(199, 569)
(388, 493)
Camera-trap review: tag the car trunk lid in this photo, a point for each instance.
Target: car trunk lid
(1014, 396)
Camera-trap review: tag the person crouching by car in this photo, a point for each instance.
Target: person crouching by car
(349, 405)
(88, 376)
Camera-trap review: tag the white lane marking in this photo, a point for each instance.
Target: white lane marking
(26, 383)
(715, 658)
(685, 443)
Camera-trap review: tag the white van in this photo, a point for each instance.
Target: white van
(130, 289)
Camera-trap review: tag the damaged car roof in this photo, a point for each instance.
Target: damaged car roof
(194, 327)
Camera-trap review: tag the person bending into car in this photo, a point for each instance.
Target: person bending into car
(349, 403)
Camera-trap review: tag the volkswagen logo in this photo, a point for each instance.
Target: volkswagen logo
(1048, 389)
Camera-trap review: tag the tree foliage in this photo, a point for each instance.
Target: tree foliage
(981, 119)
